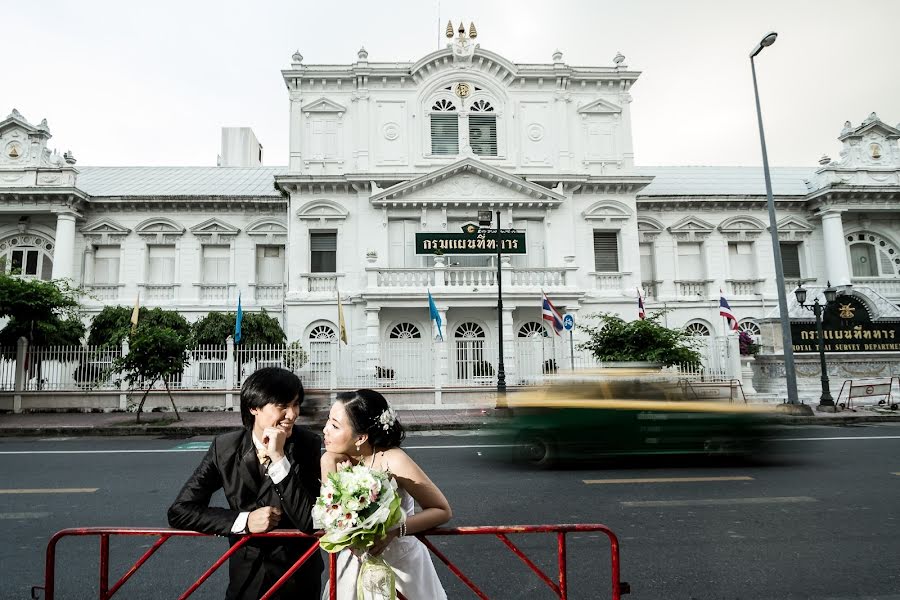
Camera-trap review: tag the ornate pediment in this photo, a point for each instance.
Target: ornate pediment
(742, 227)
(467, 182)
(160, 230)
(104, 232)
(268, 231)
(324, 105)
(607, 211)
(793, 228)
(599, 107)
(649, 229)
(215, 231)
(869, 156)
(322, 211)
(691, 229)
(23, 145)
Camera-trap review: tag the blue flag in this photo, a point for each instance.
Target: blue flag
(435, 315)
(237, 321)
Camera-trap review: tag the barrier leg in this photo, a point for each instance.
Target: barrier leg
(104, 566)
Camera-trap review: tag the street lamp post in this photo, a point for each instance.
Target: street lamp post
(826, 402)
(790, 375)
(501, 370)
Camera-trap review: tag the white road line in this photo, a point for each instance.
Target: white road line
(668, 479)
(18, 516)
(181, 451)
(49, 491)
(717, 501)
(848, 437)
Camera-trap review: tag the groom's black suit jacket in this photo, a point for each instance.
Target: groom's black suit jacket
(231, 465)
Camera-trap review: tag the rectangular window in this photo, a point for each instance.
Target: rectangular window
(323, 252)
(740, 260)
(445, 133)
(862, 260)
(161, 264)
(106, 265)
(402, 243)
(648, 266)
(790, 259)
(606, 251)
(483, 134)
(690, 261)
(216, 260)
(270, 265)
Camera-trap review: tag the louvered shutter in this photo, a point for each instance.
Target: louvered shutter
(483, 134)
(606, 252)
(790, 260)
(445, 133)
(323, 252)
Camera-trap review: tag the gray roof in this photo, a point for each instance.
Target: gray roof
(724, 181)
(259, 181)
(179, 181)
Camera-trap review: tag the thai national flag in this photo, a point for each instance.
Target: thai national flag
(549, 313)
(641, 313)
(725, 311)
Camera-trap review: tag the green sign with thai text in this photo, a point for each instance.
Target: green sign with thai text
(847, 327)
(479, 241)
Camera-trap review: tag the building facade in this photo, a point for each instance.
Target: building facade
(380, 152)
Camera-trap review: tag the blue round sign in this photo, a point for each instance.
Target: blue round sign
(568, 322)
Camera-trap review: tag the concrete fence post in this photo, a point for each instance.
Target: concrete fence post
(231, 382)
(19, 386)
(123, 385)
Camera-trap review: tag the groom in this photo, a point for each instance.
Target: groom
(269, 472)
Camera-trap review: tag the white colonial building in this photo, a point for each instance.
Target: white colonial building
(380, 151)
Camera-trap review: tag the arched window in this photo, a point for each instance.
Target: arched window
(751, 327)
(471, 358)
(532, 329)
(321, 332)
(469, 331)
(405, 331)
(872, 256)
(27, 256)
(444, 128)
(483, 128)
(697, 329)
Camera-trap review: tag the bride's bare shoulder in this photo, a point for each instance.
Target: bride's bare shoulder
(395, 460)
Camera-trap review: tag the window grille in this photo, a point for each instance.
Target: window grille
(483, 134)
(606, 252)
(790, 260)
(323, 252)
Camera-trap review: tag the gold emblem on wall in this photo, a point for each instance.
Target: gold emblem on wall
(463, 90)
(846, 311)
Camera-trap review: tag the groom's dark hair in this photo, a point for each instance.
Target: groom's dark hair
(364, 409)
(269, 385)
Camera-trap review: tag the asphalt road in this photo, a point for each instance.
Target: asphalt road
(820, 520)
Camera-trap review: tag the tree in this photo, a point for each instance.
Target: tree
(158, 350)
(112, 325)
(256, 329)
(617, 340)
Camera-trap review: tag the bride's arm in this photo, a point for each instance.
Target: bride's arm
(435, 508)
(329, 462)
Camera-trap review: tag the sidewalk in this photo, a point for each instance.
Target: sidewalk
(49, 424)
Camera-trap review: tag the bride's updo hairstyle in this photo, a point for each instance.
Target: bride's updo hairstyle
(369, 413)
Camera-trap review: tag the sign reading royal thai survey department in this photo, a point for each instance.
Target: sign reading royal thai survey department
(472, 241)
(847, 327)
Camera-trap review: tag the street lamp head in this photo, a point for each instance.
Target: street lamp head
(767, 40)
(801, 295)
(830, 294)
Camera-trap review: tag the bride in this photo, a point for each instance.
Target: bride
(363, 429)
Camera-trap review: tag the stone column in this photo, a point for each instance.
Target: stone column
(64, 245)
(509, 349)
(837, 269)
(87, 276)
(373, 339)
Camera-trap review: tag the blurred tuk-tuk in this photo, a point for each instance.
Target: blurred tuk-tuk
(614, 412)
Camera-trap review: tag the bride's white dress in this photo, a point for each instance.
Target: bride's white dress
(408, 557)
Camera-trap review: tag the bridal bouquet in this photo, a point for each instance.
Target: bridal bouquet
(356, 506)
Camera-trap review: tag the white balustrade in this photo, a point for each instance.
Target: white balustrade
(609, 282)
(321, 282)
(691, 290)
(161, 292)
(889, 287)
(266, 294)
(213, 292)
(470, 276)
(105, 292)
(423, 277)
(742, 287)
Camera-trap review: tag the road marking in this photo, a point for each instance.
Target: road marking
(193, 446)
(203, 449)
(898, 473)
(668, 479)
(49, 491)
(12, 516)
(848, 437)
(718, 501)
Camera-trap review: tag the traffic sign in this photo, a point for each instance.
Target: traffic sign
(568, 322)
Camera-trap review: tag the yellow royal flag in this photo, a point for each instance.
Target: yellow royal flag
(135, 312)
(342, 325)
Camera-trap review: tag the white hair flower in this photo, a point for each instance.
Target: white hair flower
(387, 418)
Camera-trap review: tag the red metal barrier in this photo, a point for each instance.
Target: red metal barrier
(559, 588)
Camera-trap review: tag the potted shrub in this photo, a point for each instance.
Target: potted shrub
(638, 343)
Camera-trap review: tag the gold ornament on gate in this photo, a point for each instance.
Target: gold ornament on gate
(846, 311)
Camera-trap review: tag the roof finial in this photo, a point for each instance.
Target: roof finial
(462, 29)
(297, 57)
(473, 33)
(449, 32)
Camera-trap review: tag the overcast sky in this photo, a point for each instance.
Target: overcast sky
(152, 83)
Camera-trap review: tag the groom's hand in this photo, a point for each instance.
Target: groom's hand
(263, 519)
(274, 439)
